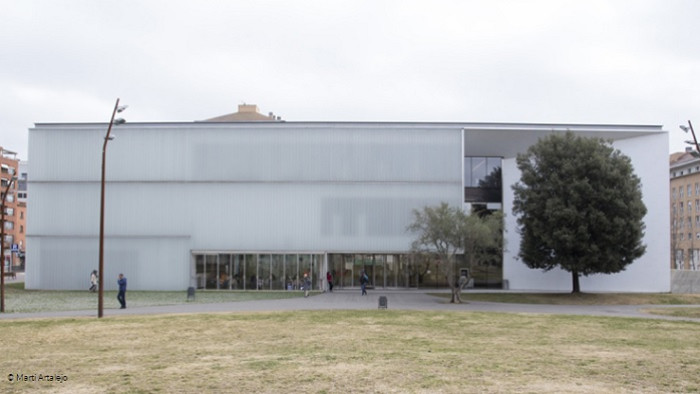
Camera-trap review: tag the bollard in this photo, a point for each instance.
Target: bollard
(190, 293)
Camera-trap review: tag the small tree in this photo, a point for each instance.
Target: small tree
(580, 207)
(444, 232)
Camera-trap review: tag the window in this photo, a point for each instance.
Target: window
(679, 259)
(673, 208)
(690, 191)
(482, 179)
(697, 188)
(21, 229)
(690, 207)
(673, 193)
(680, 206)
(680, 192)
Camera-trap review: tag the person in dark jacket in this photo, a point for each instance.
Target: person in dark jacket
(121, 296)
(364, 279)
(329, 278)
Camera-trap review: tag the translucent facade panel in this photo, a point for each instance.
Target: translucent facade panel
(63, 208)
(236, 216)
(276, 152)
(325, 155)
(65, 263)
(69, 208)
(66, 153)
(307, 216)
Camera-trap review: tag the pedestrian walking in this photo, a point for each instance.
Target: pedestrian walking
(93, 281)
(329, 278)
(363, 282)
(121, 296)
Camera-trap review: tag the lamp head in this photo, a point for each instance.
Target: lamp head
(122, 108)
(684, 128)
(119, 121)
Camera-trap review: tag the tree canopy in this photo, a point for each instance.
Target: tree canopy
(445, 231)
(579, 207)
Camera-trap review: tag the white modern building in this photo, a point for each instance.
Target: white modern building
(255, 204)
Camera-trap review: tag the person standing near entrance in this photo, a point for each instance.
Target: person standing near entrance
(363, 282)
(121, 296)
(329, 278)
(307, 285)
(93, 281)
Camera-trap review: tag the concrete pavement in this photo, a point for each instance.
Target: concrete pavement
(352, 300)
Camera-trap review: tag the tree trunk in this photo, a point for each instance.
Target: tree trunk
(456, 291)
(456, 295)
(576, 285)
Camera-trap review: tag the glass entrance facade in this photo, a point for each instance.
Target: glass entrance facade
(386, 271)
(256, 271)
(284, 271)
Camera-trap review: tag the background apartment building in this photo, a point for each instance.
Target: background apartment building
(15, 212)
(685, 211)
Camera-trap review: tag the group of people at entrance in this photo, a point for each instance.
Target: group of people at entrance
(364, 280)
(121, 281)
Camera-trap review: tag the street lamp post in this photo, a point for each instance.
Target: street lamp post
(694, 141)
(100, 296)
(2, 243)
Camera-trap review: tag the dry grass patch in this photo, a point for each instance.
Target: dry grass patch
(582, 298)
(353, 351)
(676, 312)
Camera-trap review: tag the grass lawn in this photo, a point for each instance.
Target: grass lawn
(384, 351)
(595, 299)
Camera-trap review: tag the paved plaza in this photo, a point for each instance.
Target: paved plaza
(350, 299)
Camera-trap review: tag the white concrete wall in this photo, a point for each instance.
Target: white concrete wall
(650, 273)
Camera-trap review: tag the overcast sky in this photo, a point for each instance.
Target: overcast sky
(628, 62)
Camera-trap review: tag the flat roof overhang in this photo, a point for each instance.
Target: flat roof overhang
(507, 140)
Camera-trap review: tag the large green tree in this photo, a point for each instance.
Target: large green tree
(444, 232)
(579, 207)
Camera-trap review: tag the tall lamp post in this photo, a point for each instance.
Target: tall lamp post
(694, 141)
(112, 121)
(2, 243)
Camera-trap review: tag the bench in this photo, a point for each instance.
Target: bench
(12, 275)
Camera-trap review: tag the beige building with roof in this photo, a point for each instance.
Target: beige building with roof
(246, 113)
